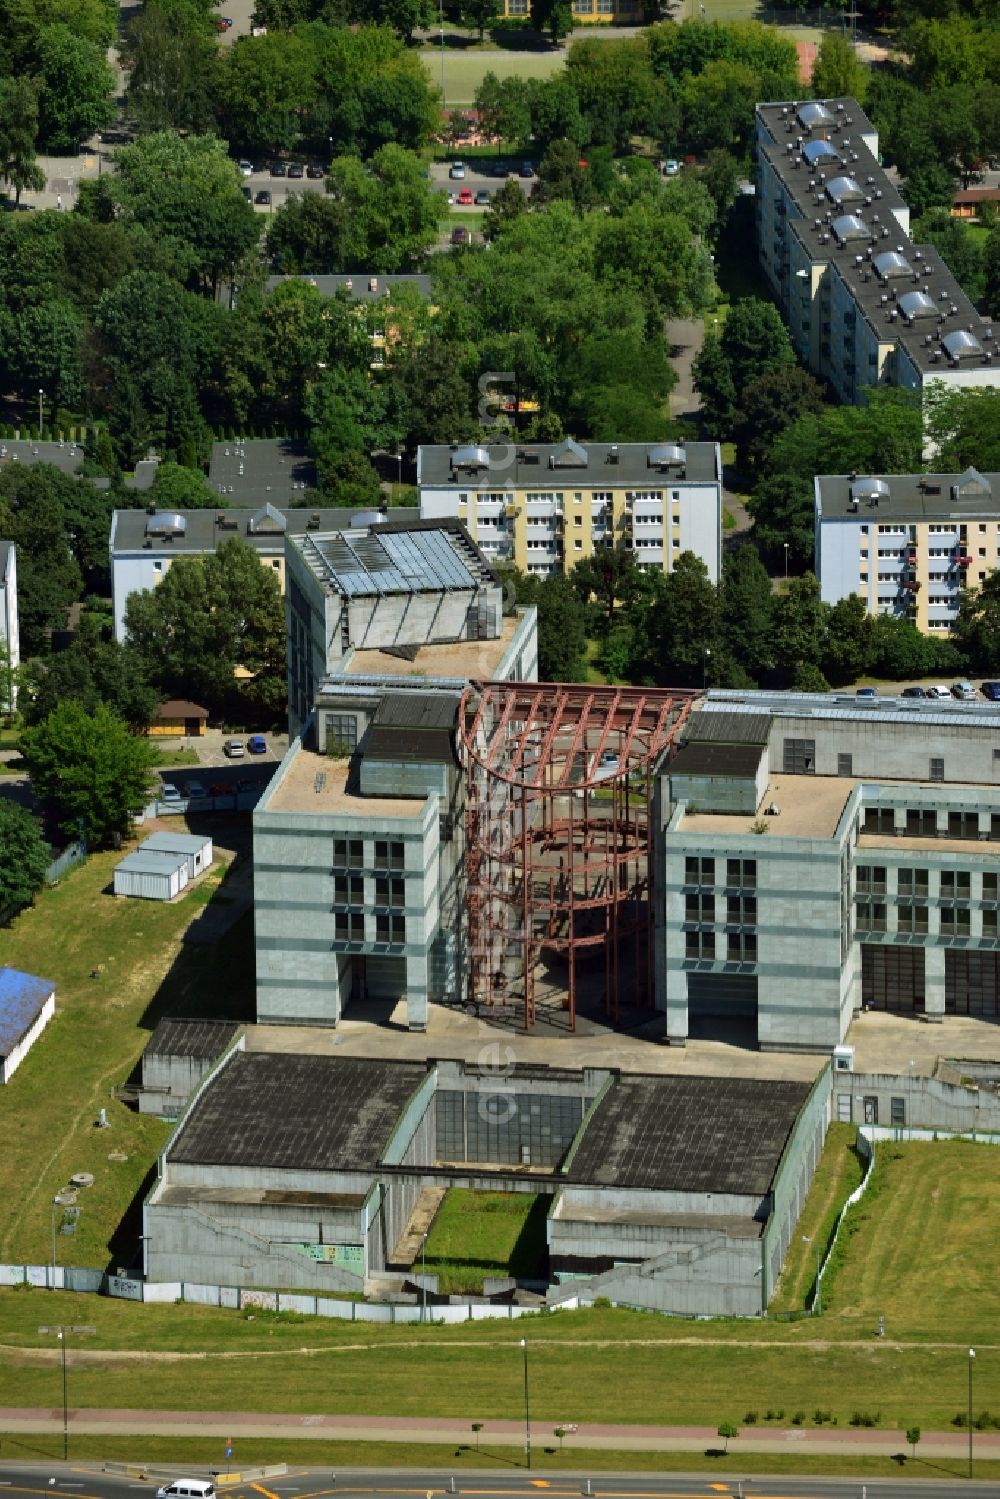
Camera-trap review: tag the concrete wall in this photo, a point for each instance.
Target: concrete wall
(898, 750)
(792, 1180)
(702, 1274)
(923, 1102)
(170, 1081)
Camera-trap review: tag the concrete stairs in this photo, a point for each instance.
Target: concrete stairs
(407, 1248)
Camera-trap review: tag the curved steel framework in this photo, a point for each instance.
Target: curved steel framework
(560, 781)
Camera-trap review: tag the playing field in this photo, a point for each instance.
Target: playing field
(465, 71)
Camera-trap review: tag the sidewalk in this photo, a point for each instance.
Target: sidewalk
(592, 1435)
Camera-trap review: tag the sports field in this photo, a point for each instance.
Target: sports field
(464, 71)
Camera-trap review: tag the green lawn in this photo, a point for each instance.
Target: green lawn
(478, 1234)
(838, 1173)
(173, 754)
(465, 69)
(49, 1109)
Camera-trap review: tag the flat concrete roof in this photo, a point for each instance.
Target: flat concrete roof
(256, 471)
(966, 847)
(911, 497)
(165, 863)
(383, 559)
(358, 286)
(65, 456)
(326, 787)
(173, 843)
(688, 1134)
(270, 1110)
(525, 465)
(811, 807)
(726, 1223)
(465, 660)
(181, 1197)
(203, 530)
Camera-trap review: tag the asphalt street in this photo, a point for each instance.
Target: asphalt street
(85, 1482)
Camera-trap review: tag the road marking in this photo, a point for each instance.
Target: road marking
(262, 1490)
(721, 1488)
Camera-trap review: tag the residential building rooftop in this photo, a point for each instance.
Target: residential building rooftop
(808, 807)
(928, 712)
(253, 471)
(407, 557)
(567, 465)
(325, 787)
(264, 527)
(360, 286)
(881, 498)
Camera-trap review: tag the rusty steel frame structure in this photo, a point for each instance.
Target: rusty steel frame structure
(559, 784)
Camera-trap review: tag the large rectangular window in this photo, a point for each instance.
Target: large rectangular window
(921, 823)
(912, 920)
(390, 927)
(799, 757)
(963, 824)
(341, 732)
(349, 926)
(936, 768)
(913, 882)
(348, 853)
(699, 906)
(741, 910)
(698, 871)
(869, 916)
(955, 921)
(699, 944)
(389, 855)
(741, 947)
(871, 879)
(349, 889)
(845, 765)
(390, 891)
(880, 820)
(741, 874)
(956, 884)
(972, 983)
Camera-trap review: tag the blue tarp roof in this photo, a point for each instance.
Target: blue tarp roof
(22, 996)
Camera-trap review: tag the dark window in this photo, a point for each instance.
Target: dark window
(699, 944)
(348, 853)
(963, 824)
(741, 874)
(741, 947)
(995, 824)
(799, 757)
(871, 1108)
(892, 978)
(390, 927)
(937, 768)
(341, 732)
(390, 892)
(741, 910)
(699, 871)
(989, 887)
(921, 823)
(845, 765)
(956, 884)
(989, 922)
(349, 926)
(954, 921)
(870, 916)
(871, 879)
(897, 1111)
(971, 983)
(913, 882)
(880, 820)
(349, 889)
(699, 906)
(912, 919)
(389, 855)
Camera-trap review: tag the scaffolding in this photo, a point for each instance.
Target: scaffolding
(560, 782)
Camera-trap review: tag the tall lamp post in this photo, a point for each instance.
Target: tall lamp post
(785, 544)
(972, 1360)
(527, 1404)
(41, 398)
(441, 28)
(62, 1332)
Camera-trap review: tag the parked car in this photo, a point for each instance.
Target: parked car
(233, 749)
(257, 744)
(277, 169)
(170, 793)
(483, 198)
(939, 691)
(296, 170)
(465, 196)
(671, 167)
(963, 689)
(263, 197)
(457, 171)
(991, 690)
(315, 171)
(866, 692)
(460, 237)
(246, 167)
(526, 169)
(913, 692)
(497, 169)
(195, 789)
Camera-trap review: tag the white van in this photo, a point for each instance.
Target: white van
(187, 1488)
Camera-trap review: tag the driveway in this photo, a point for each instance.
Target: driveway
(684, 337)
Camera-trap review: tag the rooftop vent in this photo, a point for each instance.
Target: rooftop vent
(869, 491)
(470, 458)
(666, 455)
(166, 523)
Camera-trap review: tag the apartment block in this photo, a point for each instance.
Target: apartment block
(907, 544)
(823, 857)
(544, 507)
(864, 305)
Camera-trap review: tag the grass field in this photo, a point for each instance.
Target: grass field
(476, 1234)
(464, 70)
(838, 1173)
(48, 1111)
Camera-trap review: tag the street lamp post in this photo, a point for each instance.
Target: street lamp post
(441, 28)
(527, 1405)
(62, 1332)
(41, 398)
(423, 1279)
(785, 544)
(972, 1359)
(399, 469)
(704, 668)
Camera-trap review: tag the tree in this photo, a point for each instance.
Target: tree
(782, 507)
(33, 514)
(77, 88)
(26, 857)
(959, 246)
(685, 632)
(90, 771)
(882, 435)
(767, 407)
(755, 341)
(562, 636)
(507, 203)
(18, 133)
(963, 428)
(43, 350)
(404, 16)
(713, 380)
(435, 391)
(610, 577)
(799, 628)
(728, 1430)
(504, 108)
(553, 16)
(747, 605)
(91, 671)
(848, 650)
(838, 72)
(721, 175)
(179, 488)
(172, 64)
(913, 1435)
(977, 626)
(481, 14)
(267, 89)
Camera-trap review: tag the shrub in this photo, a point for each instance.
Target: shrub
(749, 1418)
(798, 1417)
(865, 1418)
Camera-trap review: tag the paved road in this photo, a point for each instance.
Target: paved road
(86, 1481)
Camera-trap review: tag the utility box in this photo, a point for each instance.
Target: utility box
(843, 1059)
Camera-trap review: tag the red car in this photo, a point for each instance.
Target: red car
(465, 196)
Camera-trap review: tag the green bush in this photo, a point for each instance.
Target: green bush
(798, 1417)
(749, 1418)
(865, 1418)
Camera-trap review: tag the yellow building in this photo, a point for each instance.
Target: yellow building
(907, 544)
(544, 507)
(592, 12)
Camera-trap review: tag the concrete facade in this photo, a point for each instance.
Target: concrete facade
(907, 544)
(178, 1056)
(868, 878)
(544, 507)
(864, 305)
